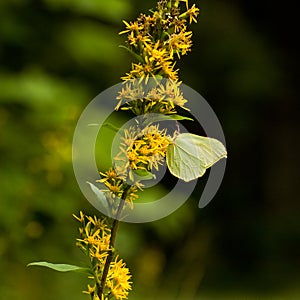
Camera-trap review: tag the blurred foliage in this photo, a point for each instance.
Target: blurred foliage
(55, 56)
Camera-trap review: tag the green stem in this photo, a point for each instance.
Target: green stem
(113, 235)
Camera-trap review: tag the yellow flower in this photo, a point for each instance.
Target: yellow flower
(162, 98)
(132, 26)
(95, 235)
(179, 25)
(157, 53)
(138, 39)
(130, 92)
(154, 40)
(142, 71)
(145, 152)
(100, 249)
(168, 70)
(112, 174)
(80, 218)
(193, 12)
(132, 194)
(118, 279)
(172, 93)
(91, 290)
(97, 223)
(113, 182)
(180, 43)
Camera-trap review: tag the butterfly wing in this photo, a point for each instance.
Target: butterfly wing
(190, 155)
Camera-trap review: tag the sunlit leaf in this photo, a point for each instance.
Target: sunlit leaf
(59, 267)
(107, 125)
(143, 175)
(190, 155)
(162, 117)
(100, 195)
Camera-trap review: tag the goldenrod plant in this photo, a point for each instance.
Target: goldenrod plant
(151, 90)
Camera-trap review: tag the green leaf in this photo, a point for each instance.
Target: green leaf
(135, 55)
(111, 126)
(143, 175)
(100, 195)
(59, 267)
(190, 155)
(108, 125)
(162, 117)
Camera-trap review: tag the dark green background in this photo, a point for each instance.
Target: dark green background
(56, 55)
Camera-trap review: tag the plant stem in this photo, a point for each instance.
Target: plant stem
(113, 235)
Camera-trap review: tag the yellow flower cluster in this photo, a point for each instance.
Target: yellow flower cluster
(95, 236)
(142, 149)
(153, 40)
(115, 188)
(118, 279)
(147, 151)
(156, 41)
(95, 242)
(162, 98)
